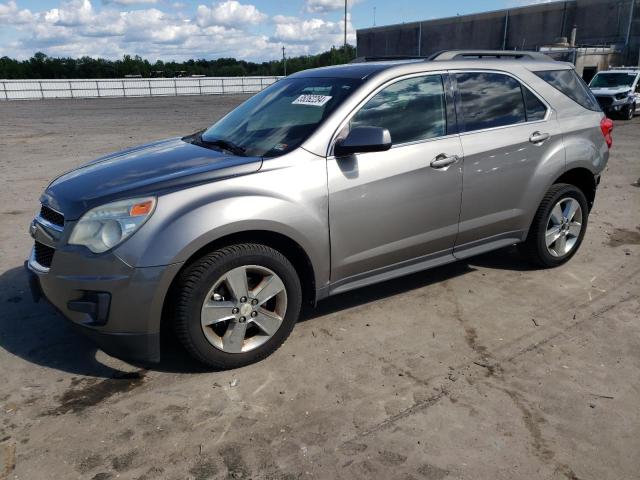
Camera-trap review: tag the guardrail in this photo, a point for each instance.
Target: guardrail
(130, 87)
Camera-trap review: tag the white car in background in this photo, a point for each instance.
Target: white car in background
(617, 91)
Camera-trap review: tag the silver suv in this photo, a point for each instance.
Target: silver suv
(327, 181)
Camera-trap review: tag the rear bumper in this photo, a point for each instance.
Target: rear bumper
(116, 306)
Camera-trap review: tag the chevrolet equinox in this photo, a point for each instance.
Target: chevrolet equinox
(329, 180)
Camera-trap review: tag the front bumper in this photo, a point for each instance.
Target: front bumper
(117, 306)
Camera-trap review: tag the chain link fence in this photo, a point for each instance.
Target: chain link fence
(130, 87)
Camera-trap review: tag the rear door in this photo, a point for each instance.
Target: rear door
(395, 208)
(508, 133)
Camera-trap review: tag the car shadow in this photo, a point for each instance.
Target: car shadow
(37, 333)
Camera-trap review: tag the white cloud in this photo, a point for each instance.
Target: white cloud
(230, 13)
(11, 14)
(324, 6)
(130, 2)
(316, 31)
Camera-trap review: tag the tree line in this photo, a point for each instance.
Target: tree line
(43, 66)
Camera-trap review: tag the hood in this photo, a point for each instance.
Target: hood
(610, 90)
(145, 170)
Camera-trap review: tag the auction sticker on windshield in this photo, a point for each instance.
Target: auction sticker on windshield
(315, 100)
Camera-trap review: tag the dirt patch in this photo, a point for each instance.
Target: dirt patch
(7, 459)
(431, 472)
(88, 392)
(204, 469)
(622, 236)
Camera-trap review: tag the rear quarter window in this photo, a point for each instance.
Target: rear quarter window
(569, 83)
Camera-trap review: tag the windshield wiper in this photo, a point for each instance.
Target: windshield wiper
(225, 145)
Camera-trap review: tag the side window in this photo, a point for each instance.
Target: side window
(490, 100)
(536, 110)
(412, 109)
(569, 83)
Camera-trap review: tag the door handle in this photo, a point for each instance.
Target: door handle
(538, 137)
(443, 161)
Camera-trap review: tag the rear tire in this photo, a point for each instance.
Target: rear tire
(236, 305)
(558, 227)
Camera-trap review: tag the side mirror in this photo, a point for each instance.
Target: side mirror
(363, 139)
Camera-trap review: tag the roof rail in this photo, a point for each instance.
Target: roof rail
(480, 54)
(387, 58)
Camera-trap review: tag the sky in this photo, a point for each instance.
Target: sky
(252, 30)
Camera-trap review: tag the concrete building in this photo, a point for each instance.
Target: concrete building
(612, 26)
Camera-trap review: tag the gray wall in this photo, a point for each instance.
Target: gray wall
(599, 22)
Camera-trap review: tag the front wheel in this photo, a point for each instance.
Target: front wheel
(237, 305)
(558, 227)
(627, 112)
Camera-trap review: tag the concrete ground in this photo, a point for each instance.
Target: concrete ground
(483, 369)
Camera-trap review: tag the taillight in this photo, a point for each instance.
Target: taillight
(606, 125)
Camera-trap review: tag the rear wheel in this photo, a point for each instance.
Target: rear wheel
(237, 305)
(558, 227)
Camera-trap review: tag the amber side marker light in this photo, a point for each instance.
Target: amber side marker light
(141, 208)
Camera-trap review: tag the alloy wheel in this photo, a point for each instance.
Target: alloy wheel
(563, 227)
(244, 309)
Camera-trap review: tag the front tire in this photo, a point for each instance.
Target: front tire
(627, 113)
(558, 227)
(237, 305)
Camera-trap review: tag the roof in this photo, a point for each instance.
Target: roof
(364, 70)
(351, 70)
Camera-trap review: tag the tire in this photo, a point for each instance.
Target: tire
(543, 228)
(212, 278)
(627, 112)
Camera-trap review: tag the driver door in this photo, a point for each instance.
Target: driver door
(397, 211)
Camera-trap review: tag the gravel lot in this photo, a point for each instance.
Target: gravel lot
(483, 369)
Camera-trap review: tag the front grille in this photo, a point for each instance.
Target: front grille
(52, 216)
(605, 101)
(43, 254)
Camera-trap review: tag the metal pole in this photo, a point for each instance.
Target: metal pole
(175, 88)
(4, 89)
(70, 89)
(98, 88)
(345, 26)
(626, 42)
(420, 39)
(149, 84)
(506, 27)
(41, 92)
(284, 62)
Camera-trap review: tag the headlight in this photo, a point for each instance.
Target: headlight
(104, 227)
(621, 96)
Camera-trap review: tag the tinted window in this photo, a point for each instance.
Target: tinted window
(282, 116)
(489, 100)
(412, 109)
(536, 110)
(569, 83)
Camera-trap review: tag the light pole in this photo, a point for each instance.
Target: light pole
(345, 25)
(284, 62)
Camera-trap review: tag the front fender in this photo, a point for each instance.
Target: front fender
(290, 200)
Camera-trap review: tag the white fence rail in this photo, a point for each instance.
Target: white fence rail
(130, 87)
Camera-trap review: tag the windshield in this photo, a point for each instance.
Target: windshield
(612, 80)
(280, 118)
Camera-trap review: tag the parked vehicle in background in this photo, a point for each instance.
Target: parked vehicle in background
(617, 91)
(329, 180)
